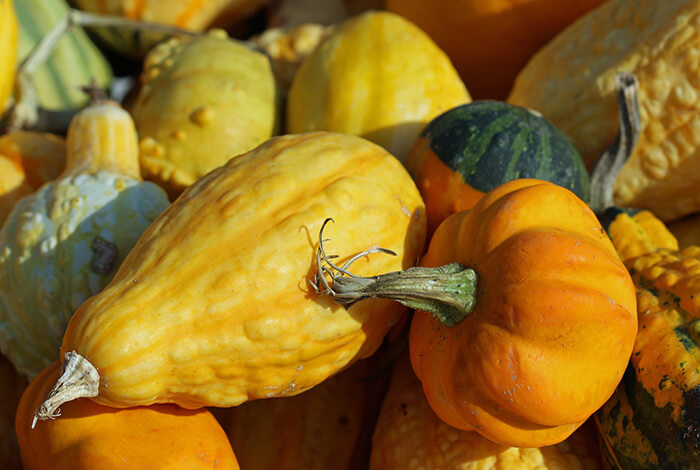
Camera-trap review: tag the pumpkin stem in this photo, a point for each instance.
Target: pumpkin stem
(78, 379)
(610, 163)
(448, 292)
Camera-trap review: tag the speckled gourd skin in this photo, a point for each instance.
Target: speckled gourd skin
(213, 306)
(377, 76)
(45, 244)
(571, 81)
(410, 436)
(201, 102)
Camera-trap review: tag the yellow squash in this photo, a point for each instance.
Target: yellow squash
(201, 101)
(410, 436)
(214, 306)
(8, 51)
(571, 82)
(378, 76)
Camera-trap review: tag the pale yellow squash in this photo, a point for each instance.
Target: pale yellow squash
(8, 50)
(377, 76)
(571, 82)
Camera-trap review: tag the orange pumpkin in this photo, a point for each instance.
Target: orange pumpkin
(90, 436)
(540, 340)
(489, 41)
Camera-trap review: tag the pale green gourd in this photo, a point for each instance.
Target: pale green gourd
(50, 261)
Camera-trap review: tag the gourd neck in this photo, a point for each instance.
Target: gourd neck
(613, 159)
(448, 292)
(102, 137)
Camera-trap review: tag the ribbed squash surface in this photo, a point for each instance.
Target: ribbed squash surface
(571, 81)
(213, 307)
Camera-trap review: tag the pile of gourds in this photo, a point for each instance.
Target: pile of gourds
(352, 234)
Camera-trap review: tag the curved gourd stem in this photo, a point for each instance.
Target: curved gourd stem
(448, 292)
(610, 163)
(26, 112)
(79, 378)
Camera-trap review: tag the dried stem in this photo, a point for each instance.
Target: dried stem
(448, 292)
(78, 379)
(610, 163)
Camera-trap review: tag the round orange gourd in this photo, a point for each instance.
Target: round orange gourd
(554, 322)
(91, 436)
(489, 41)
(536, 314)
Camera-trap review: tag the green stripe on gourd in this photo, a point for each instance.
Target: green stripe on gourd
(492, 142)
(75, 62)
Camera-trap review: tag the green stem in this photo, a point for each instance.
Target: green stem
(448, 292)
(610, 163)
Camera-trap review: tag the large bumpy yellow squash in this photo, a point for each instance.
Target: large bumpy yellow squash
(213, 306)
(201, 102)
(8, 51)
(571, 81)
(378, 76)
(27, 161)
(489, 41)
(410, 436)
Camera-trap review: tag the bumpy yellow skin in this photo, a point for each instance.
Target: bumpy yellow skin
(202, 101)
(571, 81)
(638, 234)
(213, 305)
(8, 51)
(410, 436)
(378, 76)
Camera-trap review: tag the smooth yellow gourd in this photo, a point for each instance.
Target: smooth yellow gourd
(571, 82)
(214, 306)
(8, 50)
(377, 76)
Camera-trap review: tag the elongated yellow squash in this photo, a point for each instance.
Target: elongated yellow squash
(213, 306)
(8, 51)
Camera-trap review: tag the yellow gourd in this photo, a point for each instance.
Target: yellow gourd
(202, 100)
(410, 436)
(8, 50)
(214, 306)
(571, 82)
(377, 76)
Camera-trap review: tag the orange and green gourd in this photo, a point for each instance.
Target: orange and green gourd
(532, 314)
(63, 243)
(377, 76)
(90, 436)
(214, 306)
(470, 149)
(653, 418)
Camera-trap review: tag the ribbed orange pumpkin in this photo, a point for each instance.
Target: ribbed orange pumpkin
(91, 436)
